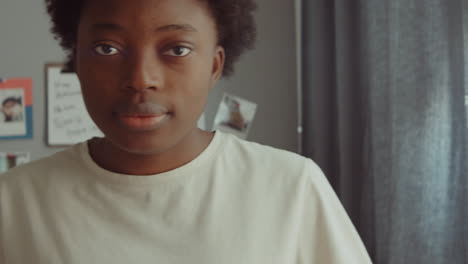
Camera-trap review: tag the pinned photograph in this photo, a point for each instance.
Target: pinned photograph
(235, 115)
(13, 109)
(16, 108)
(11, 160)
(12, 120)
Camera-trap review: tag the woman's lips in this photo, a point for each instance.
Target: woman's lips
(141, 117)
(142, 122)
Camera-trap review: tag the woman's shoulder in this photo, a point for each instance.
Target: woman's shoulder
(260, 152)
(269, 160)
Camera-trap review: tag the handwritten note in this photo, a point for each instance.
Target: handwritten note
(68, 120)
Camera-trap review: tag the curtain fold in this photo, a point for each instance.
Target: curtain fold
(385, 116)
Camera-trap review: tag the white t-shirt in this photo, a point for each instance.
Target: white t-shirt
(237, 202)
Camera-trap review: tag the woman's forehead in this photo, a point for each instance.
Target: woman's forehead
(147, 15)
(152, 10)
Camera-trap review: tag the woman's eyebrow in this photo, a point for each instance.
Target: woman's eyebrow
(165, 28)
(106, 26)
(182, 27)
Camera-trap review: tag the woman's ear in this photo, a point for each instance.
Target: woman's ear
(218, 64)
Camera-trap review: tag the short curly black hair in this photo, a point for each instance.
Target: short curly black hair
(234, 19)
(16, 100)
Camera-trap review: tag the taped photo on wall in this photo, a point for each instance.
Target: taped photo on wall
(235, 115)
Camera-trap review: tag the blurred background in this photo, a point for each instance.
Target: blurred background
(375, 91)
(266, 75)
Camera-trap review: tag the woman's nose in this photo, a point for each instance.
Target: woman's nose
(144, 72)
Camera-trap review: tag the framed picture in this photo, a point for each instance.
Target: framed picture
(16, 108)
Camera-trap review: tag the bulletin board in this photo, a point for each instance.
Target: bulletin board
(68, 120)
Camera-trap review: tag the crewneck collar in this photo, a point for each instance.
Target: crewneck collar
(205, 158)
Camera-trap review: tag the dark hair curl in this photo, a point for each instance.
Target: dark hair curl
(234, 20)
(16, 100)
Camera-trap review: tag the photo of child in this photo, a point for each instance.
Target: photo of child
(12, 119)
(12, 109)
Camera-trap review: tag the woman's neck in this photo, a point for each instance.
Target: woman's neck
(112, 158)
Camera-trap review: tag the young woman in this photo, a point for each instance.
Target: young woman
(156, 189)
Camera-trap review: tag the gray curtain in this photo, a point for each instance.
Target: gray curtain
(385, 116)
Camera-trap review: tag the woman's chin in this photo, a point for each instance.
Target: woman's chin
(139, 146)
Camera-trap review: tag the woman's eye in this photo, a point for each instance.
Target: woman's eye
(106, 50)
(178, 51)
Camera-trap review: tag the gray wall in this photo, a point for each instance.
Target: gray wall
(266, 75)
